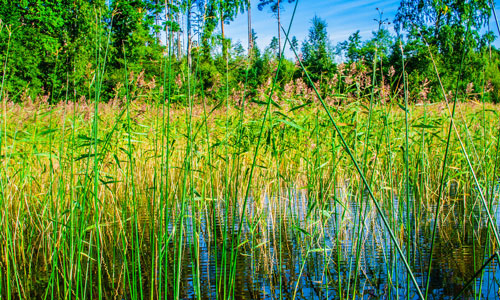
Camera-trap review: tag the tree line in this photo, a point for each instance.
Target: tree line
(64, 48)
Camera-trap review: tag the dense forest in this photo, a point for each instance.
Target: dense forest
(58, 49)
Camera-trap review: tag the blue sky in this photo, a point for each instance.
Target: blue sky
(343, 18)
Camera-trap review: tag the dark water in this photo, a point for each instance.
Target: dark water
(302, 249)
(294, 247)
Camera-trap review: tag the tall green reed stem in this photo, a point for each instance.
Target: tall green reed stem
(360, 172)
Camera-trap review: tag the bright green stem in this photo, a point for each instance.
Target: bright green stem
(360, 172)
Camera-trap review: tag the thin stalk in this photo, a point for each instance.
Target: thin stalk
(407, 171)
(3, 184)
(360, 172)
(259, 139)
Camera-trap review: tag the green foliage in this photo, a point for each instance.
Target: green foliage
(294, 43)
(443, 23)
(56, 46)
(316, 50)
(211, 20)
(50, 43)
(354, 49)
(351, 48)
(452, 29)
(273, 47)
(492, 75)
(131, 31)
(229, 9)
(273, 4)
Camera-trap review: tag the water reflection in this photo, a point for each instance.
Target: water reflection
(292, 246)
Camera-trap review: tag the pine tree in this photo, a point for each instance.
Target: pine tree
(316, 49)
(276, 9)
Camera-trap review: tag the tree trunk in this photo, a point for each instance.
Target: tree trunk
(157, 23)
(279, 31)
(250, 37)
(437, 26)
(166, 27)
(179, 48)
(224, 46)
(189, 35)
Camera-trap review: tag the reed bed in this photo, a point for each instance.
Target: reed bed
(304, 193)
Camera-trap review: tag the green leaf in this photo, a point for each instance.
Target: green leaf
(303, 231)
(299, 106)
(403, 108)
(291, 124)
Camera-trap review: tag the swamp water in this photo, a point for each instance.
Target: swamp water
(291, 248)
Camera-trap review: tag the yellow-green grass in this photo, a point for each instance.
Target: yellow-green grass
(48, 213)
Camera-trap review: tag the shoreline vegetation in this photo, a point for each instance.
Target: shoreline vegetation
(57, 137)
(302, 181)
(132, 169)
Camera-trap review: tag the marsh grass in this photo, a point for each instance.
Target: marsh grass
(286, 199)
(314, 167)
